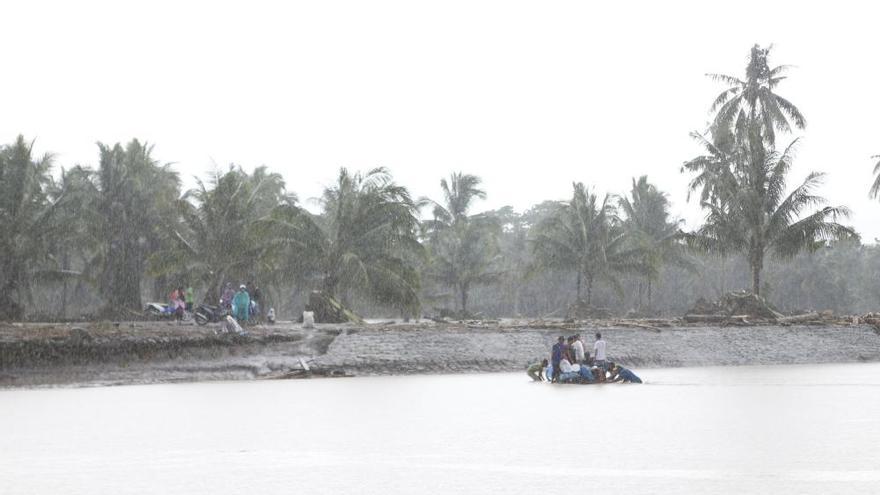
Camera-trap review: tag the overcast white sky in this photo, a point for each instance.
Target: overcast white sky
(528, 95)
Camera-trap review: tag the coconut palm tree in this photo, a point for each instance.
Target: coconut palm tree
(463, 248)
(76, 251)
(586, 237)
(742, 176)
(459, 193)
(753, 100)
(755, 217)
(31, 206)
(712, 170)
(137, 199)
(365, 240)
(513, 254)
(221, 236)
(648, 225)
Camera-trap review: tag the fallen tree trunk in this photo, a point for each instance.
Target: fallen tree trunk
(814, 316)
(633, 324)
(725, 319)
(704, 318)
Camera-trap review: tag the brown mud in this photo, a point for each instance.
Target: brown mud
(105, 353)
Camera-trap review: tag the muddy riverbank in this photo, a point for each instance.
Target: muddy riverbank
(143, 352)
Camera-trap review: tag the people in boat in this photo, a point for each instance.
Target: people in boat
(599, 352)
(568, 373)
(536, 371)
(558, 352)
(618, 373)
(574, 373)
(585, 372)
(598, 374)
(577, 347)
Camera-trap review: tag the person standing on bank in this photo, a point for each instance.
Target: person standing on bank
(190, 298)
(241, 305)
(257, 299)
(599, 352)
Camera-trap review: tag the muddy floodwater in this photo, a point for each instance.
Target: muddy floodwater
(758, 429)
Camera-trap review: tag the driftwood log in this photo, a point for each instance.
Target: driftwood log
(806, 317)
(724, 319)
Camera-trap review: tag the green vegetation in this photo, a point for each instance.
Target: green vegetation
(586, 237)
(365, 242)
(750, 107)
(31, 206)
(744, 176)
(135, 201)
(655, 237)
(219, 233)
(463, 249)
(95, 241)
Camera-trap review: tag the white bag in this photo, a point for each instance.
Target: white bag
(308, 319)
(232, 326)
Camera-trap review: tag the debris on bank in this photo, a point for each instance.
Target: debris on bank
(734, 308)
(327, 309)
(581, 310)
(743, 308)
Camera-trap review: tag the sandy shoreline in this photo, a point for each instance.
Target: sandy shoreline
(148, 352)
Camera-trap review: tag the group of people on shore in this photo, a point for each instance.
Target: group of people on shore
(570, 362)
(180, 302)
(243, 303)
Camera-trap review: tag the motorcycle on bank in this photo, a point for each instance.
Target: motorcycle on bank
(206, 313)
(162, 311)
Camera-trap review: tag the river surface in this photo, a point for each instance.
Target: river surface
(769, 429)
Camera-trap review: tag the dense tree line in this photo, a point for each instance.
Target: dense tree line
(100, 240)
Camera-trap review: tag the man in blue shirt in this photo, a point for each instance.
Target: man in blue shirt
(621, 374)
(559, 352)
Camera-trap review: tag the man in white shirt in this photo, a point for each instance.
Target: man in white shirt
(578, 347)
(599, 352)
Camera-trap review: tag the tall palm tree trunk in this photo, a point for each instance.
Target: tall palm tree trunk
(65, 265)
(329, 285)
(756, 280)
(464, 299)
(9, 309)
(517, 294)
(756, 260)
(589, 290)
(639, 287)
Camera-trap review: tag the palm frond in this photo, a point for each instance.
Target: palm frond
(875, 187)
